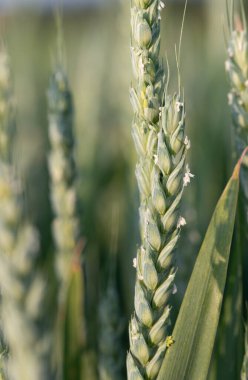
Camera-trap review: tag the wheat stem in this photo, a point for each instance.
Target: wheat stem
(161, 144)
(110, 364)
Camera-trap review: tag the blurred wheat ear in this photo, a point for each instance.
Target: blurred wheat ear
(66, 226)
(237, 69)
(23, 287)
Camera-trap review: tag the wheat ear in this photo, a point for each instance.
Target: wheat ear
(237, 69)
(62, 175)
(161, 144)
(23, 291)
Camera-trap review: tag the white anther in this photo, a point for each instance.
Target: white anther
(230, 98)
(135, 262)
(181, 222)
(187, 142)
(187, 176)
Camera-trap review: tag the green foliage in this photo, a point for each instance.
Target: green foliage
(244, 372)
(197, 323)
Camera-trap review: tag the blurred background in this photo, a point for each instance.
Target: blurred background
(97, 43)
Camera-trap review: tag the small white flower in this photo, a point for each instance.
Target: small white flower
(240, 45)
(155, 159)
(187, 142)
(228, 65)
(230, 52)
(135, 262)
(140, 277)
(181, 222)
(178, 106)
(187, 176)
(230, 98)
(161, 6)
(174, 290)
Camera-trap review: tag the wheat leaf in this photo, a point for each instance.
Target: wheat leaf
(195, 330)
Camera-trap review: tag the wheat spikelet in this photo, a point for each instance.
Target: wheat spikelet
(161, 144)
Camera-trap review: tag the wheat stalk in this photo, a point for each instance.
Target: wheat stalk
(111, 356)
(161, 144)
(23, 292)
(110, 363)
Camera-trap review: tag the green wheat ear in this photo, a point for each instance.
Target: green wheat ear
(23, 287)
(161, 144)
(66, 229)
(62, 174)
(237, 70)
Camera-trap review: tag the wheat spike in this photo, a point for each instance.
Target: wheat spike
(23, 292)
(161, 144)
(62, 175)
(237, 70)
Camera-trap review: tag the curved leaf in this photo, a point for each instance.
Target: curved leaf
(195, 330)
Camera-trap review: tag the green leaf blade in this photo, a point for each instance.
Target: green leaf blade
(196, 326)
